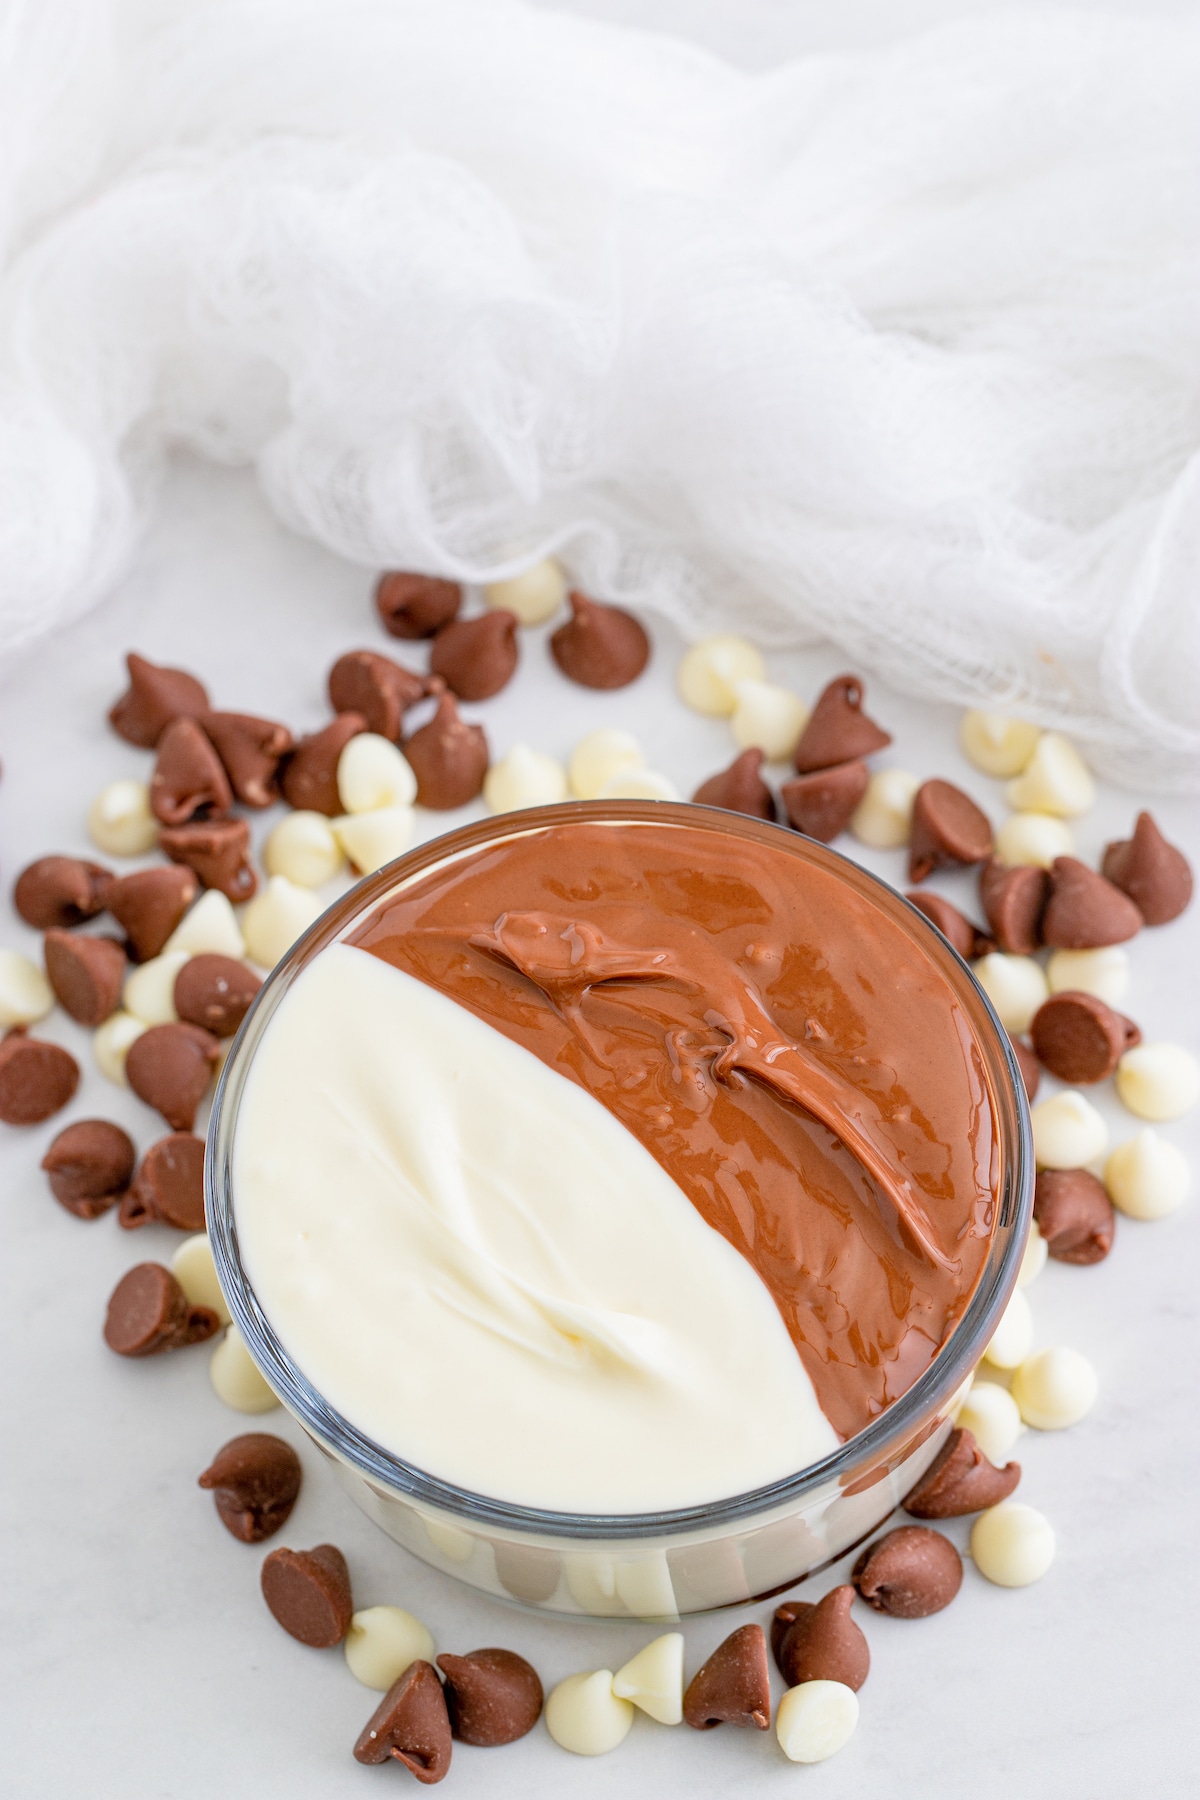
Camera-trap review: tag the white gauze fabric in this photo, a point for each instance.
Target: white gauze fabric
(898, 349)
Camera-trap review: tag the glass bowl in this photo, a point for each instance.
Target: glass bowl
(645, 1565)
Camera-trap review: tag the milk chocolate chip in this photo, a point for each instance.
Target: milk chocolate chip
(251, 750)
(1079, 1038)
(448, 757)
(1075, 1215)
(169, 1186)
(89, 1165)
(910, 1573)
(954, 926)
(215, 993)
(308, 1592)
(821, 804)
(823, 1643)
(739, 788)
(377, 688)
(155, 697)
(170, 1068)
(149, 904)
(148, 1313)
(410, 1724)
(37, 1078)
(960, 1481)
(60, 891)
(415, 606)
(1027, 1062)
(947, 827)
(189, 779)
(309, 778)
(1013, 903)
(254, 1481)
(492, 1696)
(217, 851)
(86, 974)
(599, 646)
(476, 657)
(1154, 874)
(838, 730)
(1084, 911)
(734, 1686)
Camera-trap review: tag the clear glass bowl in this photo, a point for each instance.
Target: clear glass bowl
(645, 1565)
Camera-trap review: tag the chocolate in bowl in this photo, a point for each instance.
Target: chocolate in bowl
(838, 1049)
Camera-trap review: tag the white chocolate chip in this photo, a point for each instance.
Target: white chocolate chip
(235, 1376)
(1015, 985)
(275, 918)
(1055, 1388)
(120, 821)
(382, 1642)
(150, 988)
(1068, 1132)
(303, 847)
(371, 774)
(1033, 838)
(194, 1269)
(599, 756)
(638, 784)
(990, 1414)
(815, 1719)
(110, 1044)
(1012, 1544)
(653, 1679)
(209, 929)
(585, 1716)
(25, 994)
(996, 744)
(535, 595)
(1034, 1259)
(1158, 1081)
(1056, 780)
(767, 718)
(1147, 1177)
(1013, 1336)
(524, 777)
(883, 817)
(451, 1541)
(371, 840)
(711, 669)
(1104, 973)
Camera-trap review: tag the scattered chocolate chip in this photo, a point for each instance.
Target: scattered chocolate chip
(1153, 873)
(910, 1573)
(148, 1313)
(89, 1165)
(947, 827)
(155, 697)
(476, 657)
(411, 1724)
(739, 788)
(217, 851)
(526, 1572)
(308, 1592)
(599, 646)
(309, 774)
(822, 803)
(961, 1480)
(733, 1687)
(254, 1481)
(1013, 903)
(1027, 1062)
(1084, 911)
(169, 1186)
(60, 891)
(251, 750)
(374, 686)
(215, 993)
(954, 926)
(492, 1696)
(838, 730)
(1079, 1038)
(149, 904)
(37, 1078)
(782, 1620)
(824, 1643)
(170, 1068)
(189, 779)
(448, 757)
(1074, 1215)
(86, 973)
(415, 606)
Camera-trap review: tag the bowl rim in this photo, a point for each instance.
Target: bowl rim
(875, 1447)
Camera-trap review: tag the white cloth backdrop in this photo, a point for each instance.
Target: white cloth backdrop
(900, 348)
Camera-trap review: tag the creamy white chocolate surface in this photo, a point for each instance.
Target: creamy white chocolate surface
(483, 1270)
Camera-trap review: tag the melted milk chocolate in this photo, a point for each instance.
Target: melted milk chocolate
(786, 1050)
